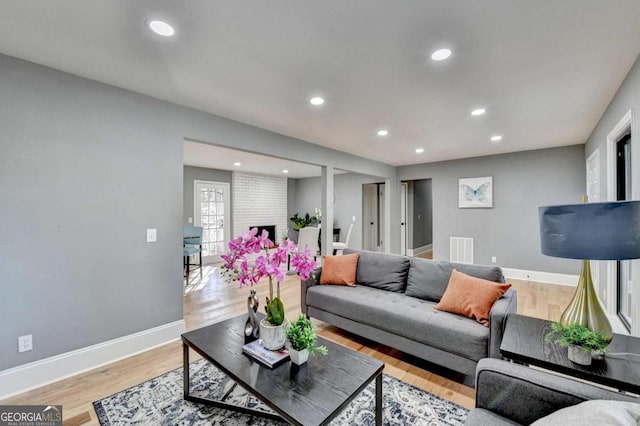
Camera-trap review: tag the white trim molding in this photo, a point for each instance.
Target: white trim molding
(419, 250)
(39, 373)
(543, 277)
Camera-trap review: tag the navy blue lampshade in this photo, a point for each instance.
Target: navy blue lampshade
(599, 231)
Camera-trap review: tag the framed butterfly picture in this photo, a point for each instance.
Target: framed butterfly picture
(475, 192)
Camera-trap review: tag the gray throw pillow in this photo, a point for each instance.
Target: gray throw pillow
(428, 279)
(381, 270)
(594, 412)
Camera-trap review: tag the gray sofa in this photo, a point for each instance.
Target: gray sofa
(512, 394)
(393, 304)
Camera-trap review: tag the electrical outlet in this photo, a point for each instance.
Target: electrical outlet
(493, 259)
(152, 235)
(190, 220)
(353, 219)
(25, 343)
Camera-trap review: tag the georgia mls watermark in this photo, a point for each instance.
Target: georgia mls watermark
(30, 415)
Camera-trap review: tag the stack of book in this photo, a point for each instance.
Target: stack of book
(269, 358)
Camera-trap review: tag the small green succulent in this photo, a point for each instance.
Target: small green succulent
(578, 335)
(301, 334)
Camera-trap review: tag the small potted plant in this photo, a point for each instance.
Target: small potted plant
(301, 338)
(579, 340)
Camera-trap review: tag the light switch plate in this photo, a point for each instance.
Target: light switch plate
(152, 235)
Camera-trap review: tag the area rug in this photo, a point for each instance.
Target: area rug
(159, 402)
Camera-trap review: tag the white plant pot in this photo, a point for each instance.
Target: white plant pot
(272, 337)
(579, 355)
(299, 357)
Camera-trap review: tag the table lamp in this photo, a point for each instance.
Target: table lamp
(596, 231)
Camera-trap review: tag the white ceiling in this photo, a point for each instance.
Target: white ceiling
(544, 69)
(216, 157)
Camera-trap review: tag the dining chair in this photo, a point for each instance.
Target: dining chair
(338, 247)
(308, 237)
(192, 244)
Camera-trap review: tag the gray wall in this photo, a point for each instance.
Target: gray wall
(291, 206)
(628, 97)
(200, 173)
(422, 215)
(348, 202)
(85, 169)
(521, 183)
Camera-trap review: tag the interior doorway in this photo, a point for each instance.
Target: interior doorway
(419, 218)
(373, 216)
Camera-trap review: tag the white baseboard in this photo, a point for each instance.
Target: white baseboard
(543, 277)
(39, 373)
(419, 250)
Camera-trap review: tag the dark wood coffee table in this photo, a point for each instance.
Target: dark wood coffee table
(311, 394)
(524, 341)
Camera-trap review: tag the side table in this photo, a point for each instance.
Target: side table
(524, 341)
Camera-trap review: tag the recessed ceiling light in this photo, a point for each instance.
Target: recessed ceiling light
(383, 132)
(285, 171)
(161, 28)
(440, 54)
(478, 111)
(419, 150)
(237, 164)
(496, 138)
(317, 101)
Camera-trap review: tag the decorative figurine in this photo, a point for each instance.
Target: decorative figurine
(251, 329)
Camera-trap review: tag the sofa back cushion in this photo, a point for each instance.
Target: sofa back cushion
(381, 270)
(428, 279)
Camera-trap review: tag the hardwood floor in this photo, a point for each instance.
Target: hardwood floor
(209, 299)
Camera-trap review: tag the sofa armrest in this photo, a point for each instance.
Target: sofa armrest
(508, 303)
(524, 395)
(314, 279)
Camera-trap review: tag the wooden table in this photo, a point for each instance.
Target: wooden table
(524, 341)
(311, 394)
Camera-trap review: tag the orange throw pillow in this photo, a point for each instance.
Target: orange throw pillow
(471, 297)
(339, 270)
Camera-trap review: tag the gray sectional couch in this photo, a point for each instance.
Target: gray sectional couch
(393, 304)
(511, 394)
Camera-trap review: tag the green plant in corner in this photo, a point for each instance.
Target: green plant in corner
(300, 222)
(302, 335)
(578, 335)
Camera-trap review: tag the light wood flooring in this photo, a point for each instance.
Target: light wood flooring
(209, 299)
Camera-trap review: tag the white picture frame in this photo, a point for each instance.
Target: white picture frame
(475, 193)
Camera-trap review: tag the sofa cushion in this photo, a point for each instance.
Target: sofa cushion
(409, 317)
(595, 412)
(339, 270)
(428, 279)
(470, 296)
(381, 270)
(482, 417)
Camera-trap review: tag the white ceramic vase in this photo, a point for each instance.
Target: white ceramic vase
(299, 357)
(273, 336)
(578, 355)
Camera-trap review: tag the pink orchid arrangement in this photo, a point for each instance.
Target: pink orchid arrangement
(240, 263)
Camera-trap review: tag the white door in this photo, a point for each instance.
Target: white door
(212, 211)
(381, 241)
(403, 219)
(593, 195)
(370, 216)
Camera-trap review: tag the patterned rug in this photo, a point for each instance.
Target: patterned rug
(159, 402)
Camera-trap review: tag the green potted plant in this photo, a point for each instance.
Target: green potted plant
(579, 340)
(300, 222)
(301, 338)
